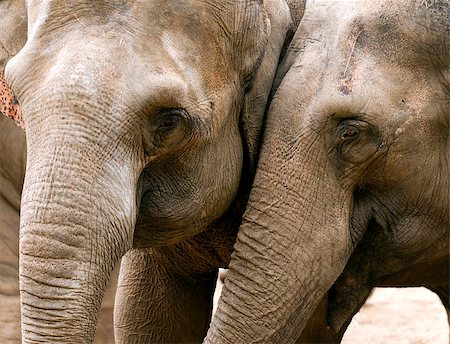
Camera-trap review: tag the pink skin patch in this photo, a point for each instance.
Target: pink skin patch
(9, 105)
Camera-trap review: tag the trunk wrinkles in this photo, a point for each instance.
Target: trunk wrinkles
(280, 262)
(74, 228)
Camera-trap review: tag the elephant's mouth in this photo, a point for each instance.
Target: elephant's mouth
(157, 226)
(157, 229)
(157, 232)
(417, 275)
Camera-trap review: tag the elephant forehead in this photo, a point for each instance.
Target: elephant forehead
(407, 34)
(194, 33)
(401, 40)
(358, 59)
(192, 17)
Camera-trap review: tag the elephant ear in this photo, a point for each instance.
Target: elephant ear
(278, 22)
(8, 104)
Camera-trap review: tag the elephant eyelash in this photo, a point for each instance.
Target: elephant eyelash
(169, 119)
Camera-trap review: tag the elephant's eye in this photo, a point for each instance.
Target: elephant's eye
(170, 127)
(350, 129)
(348, 132)
(170, 119)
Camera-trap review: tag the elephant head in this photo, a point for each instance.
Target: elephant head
(142, 118)
(352, 179)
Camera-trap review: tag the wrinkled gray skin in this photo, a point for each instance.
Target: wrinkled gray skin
(352, 185)
(13, 35)
(142, 121)
(12, 171)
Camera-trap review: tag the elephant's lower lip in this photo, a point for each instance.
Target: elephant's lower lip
(417, 275)
(159, 233)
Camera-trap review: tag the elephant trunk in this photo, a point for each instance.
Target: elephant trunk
(292, 245)
(78, 214)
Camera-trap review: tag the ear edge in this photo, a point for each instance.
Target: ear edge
(278, 21)
(9, 105)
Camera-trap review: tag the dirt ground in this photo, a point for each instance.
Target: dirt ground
(395, 316)
(400, 316)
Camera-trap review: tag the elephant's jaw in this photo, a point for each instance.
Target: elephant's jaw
(9, 105)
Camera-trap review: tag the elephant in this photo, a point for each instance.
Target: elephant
(352, 184)
(13, 35)
(12, 172)
(142, 121)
